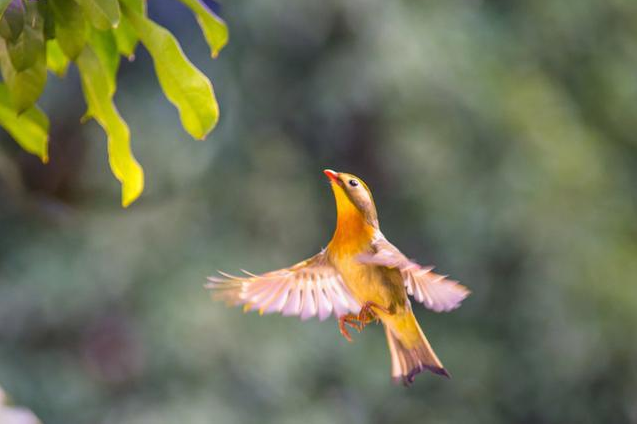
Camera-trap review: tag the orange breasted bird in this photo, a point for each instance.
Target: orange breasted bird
(359, 277)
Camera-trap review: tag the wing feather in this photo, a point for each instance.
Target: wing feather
(310, 288)
(293, 304)
(324, 304)
(435, 291)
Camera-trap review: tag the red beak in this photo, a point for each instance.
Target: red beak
(332, 175)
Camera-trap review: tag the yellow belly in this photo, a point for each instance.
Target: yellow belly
(370, 283)
(367, 283)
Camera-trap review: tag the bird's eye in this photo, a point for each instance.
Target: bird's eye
(353, 183)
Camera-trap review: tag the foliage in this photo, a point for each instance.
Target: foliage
(49, 34)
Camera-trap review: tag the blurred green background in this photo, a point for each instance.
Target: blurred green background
(498, 139)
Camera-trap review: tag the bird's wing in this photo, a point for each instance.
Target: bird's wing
(310, 288)
(435, 291)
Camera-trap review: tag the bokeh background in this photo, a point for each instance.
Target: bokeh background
(498, 139)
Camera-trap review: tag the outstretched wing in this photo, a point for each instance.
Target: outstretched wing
(435, 291)
(309, 288)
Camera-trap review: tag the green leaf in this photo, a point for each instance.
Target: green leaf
(125, 35)
(3, 6)
(71, 28)
(56, 61)
(103, 14)
(49, 20)
(12, 21)
(100, 102)
(105, 47)
(25, 86)
(138, 6)
(126, 38)
(30, 129)
(213, 27)
(25, 50)
(184, 85)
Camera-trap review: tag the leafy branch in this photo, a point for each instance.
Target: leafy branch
(37, 35)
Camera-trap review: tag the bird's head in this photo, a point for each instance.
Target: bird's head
(352, 196)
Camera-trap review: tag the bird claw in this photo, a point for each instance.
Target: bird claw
(367, 315)
(360, 321)
(345, 334)
(348, 319)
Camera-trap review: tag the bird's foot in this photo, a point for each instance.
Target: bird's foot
(349, 319)
(367, 315)
(359, 321)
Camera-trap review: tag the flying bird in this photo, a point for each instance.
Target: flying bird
(359, 277)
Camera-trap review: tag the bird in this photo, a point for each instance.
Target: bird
(359, 277)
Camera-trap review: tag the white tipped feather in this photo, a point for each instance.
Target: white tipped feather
(324, 304)
(435, 291)
(293, 304)
(309, 288)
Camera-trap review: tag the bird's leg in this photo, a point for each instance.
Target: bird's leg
(364, 317)
(349, 319)
(367, 315)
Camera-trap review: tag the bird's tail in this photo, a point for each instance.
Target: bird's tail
(410, 351)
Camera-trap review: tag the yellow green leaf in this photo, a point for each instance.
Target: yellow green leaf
(25, 86)
(30, 129)
(99, 99)
(214, 28)
(103, 14)
(3, 6)
(12, 21)
(184, 85)
(70, 26)
(105, 47)
(138, 6)
(49, 20)
(56, 61)
(24, 50)
(126, 38)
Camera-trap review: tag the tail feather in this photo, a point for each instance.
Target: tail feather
(411, 354)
